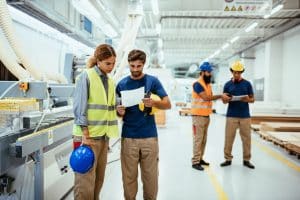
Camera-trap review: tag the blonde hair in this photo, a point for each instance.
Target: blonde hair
(102, 52)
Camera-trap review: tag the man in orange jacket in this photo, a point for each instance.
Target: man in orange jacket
(202, 98)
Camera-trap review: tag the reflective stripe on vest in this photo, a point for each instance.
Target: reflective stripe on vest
(200, 106)
(101, 111)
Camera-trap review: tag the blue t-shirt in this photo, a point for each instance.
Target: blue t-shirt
(135, 123)
(238, 108)
(198, 87)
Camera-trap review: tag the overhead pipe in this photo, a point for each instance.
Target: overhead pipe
(8, 30)
(132, 24)
(9, 61)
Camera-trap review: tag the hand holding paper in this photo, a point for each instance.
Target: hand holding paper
(239, 97)
(132, 97)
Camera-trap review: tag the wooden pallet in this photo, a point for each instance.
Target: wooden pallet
(293, 148)
(185, 112)
(263, 135)
(180, 104)
(255, 127)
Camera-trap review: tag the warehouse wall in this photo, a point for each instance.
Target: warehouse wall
(291, 67)
(277, 61)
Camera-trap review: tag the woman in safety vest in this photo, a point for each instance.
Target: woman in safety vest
(95, 118)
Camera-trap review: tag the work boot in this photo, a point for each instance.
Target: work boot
(226, 163)
(202, 162)
(248, 164)
(198, 167)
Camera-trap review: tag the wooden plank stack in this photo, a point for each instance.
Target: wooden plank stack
(180, 104)
(258, 118)
(185, 111)
(286, 135)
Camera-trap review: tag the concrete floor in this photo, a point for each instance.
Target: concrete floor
(276, 177)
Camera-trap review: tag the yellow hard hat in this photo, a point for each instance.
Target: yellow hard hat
(237, 66)
(154, 109)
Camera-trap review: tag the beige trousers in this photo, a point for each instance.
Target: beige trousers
(143, 152)
(243, 124)
(88, 185)
(200, 126)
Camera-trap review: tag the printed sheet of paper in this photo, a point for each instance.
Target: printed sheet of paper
(237, 98)
(132, 97)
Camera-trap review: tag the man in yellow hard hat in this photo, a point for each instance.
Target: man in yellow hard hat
(139, 144)
(240, 93)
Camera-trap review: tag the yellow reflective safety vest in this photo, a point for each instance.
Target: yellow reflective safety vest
(101, 111)
(200, 106)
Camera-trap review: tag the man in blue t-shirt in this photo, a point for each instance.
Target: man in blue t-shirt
(139, 143)
(240, 94)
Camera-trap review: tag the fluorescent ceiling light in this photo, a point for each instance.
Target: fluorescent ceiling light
(234, 39)
(274, 10)
(217, 52)
(155, 9)
(158, 28)
(251, 27)
(211, 56)
(100, 3)
(225, 46)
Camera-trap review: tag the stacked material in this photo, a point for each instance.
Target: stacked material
(185, 111)
(160, 118)
(258, 118)
(283, 138)
(180, 104)
(280, 127)
(11, 109)
(294, 147)
(286, 135)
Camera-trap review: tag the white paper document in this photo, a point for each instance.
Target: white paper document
(237, 98)
(132, 97)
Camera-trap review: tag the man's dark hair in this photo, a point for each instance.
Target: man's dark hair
(137, 55)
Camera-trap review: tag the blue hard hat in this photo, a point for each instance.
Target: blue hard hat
(82, 159)
(205, 67)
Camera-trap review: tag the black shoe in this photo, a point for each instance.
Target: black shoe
(202, 162)
(248, 164)
(198, 167)
(226, 163)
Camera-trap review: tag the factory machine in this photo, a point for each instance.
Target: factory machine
(36, 122)
(35, 140)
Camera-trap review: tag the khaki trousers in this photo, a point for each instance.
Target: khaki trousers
(232, 124)
(200, 126)
(88, 185)
(143, 152)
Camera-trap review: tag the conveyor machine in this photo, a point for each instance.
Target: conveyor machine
(35, 140)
